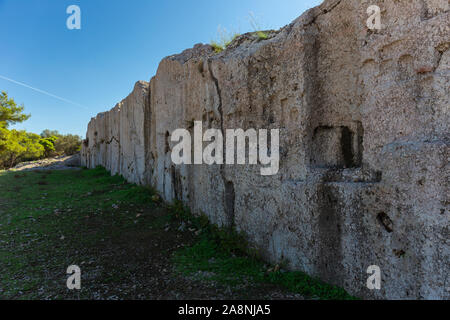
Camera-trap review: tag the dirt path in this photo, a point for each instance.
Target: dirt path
(56, 163)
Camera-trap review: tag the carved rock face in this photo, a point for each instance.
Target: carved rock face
(364, 136)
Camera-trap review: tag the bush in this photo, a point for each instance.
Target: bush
(10, 112)
(68, 144)
(257, 28)
(225, 39)
(18, 146)
(49, 145)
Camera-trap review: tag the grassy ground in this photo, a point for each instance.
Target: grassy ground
(128, 244)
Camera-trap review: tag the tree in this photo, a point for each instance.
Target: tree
(10, 112)
(68, 144)
(50, 133)
(20, 146)
(49, 145)
(4, 135)
(33, 149)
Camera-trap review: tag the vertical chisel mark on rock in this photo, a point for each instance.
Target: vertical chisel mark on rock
(330, 232)
(177, 185)
(229, 202)
(147, 137)
(229, 196)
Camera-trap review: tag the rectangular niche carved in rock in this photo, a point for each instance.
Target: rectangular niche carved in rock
(337, 146)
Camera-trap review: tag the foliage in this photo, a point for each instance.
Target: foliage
(110, 228)
(225, 38)
(68, 144)
(10, 112)
(262, 35)
(49, 145)
(4, 134)
(257, 27)
(38, 208)
(19, 145)
(88, 217)
(15, 145)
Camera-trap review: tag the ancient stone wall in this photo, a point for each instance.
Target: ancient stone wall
(364, 138)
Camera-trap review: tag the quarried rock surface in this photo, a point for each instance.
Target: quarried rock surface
(364, 138)
(116, 139)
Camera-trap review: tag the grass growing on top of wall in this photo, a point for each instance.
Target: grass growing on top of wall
(224, 39)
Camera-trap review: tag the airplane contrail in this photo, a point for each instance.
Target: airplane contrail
(43, 92)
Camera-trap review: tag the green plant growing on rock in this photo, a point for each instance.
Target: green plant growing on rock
(257, 27)
(262, 35)
(225, 38)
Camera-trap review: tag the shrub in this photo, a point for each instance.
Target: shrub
(18, 146)
(257, 28)
(49, 145)
(10, 112)
(68, 144)
(225, 39)
(262, 35)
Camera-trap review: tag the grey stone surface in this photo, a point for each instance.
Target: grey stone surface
(364, 140)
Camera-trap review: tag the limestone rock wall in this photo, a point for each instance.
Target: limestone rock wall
(116, 139)
(364, 139)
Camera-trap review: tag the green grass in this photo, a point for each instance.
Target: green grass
(220, 46)
(229, 260)
(225, 38)
(110, 228)
(262, 35)
(257, 30)
(51, 220)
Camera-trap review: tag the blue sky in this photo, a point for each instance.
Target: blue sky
(120, 42)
